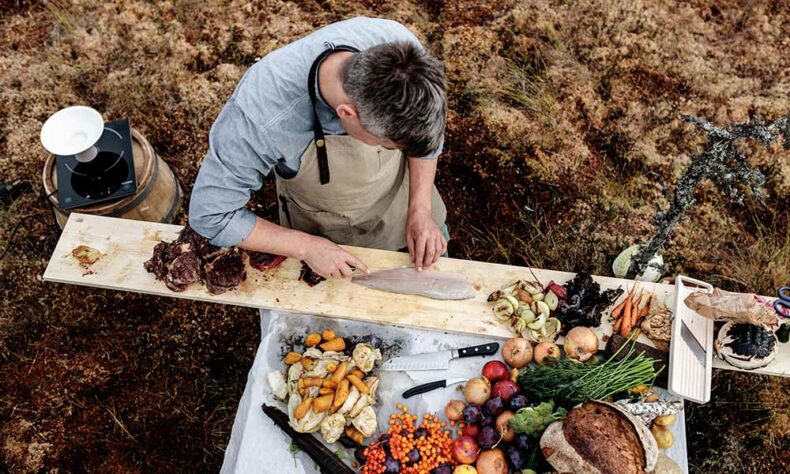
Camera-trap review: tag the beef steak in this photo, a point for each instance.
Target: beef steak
(156, 264)
(183, 271)
(190, 258)
(225, 272)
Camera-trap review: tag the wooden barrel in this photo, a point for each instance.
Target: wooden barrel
(158, 195)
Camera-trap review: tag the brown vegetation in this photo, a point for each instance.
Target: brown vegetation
(564, 131)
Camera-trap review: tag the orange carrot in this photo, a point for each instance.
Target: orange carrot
(625, 327)
(616, 325)
(635, 310)
(619, 308)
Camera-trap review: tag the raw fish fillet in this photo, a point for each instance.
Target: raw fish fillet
(408, 281)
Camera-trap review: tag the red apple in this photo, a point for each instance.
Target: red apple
(472, 429)
(505, 389)
(464, 450)
(495, 371)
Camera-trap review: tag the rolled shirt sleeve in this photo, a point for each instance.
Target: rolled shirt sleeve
(238, 158)
(437, 152)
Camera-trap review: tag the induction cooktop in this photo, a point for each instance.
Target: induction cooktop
(107, 177)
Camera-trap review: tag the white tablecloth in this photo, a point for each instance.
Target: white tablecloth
(257, 446)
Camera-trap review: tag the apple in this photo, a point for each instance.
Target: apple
(464, 450)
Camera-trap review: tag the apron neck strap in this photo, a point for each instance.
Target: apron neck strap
(312, 90)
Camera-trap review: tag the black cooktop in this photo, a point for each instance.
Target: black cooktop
(108, 176)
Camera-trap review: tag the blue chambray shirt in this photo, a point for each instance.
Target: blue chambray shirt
(268, 123)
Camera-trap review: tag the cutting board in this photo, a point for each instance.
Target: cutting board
(126, 244)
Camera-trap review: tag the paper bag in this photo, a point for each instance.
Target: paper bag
(722, 305)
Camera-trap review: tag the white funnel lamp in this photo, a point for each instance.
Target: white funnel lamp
(73, 131)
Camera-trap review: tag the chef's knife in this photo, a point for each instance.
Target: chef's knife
(327, 461)
(427, 387)
(437, 360)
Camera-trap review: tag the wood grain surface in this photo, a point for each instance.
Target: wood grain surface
(126, 244)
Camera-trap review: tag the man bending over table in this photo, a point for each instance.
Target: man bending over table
(351, 119)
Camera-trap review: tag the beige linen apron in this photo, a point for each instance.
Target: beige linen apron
(365, 202)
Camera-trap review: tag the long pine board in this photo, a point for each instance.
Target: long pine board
(126, 244)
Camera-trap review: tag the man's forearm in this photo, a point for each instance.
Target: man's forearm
(421, 175)
(275, 239)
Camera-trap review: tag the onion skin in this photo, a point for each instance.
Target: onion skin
(454, 410)
(477, 390)
(517, 352)
(546, 352)
(492, 461)
(503, 427)
(581, 343)
(494, 371)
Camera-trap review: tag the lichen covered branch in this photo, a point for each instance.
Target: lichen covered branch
(721, 162)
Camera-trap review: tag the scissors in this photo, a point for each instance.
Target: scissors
(782, 305)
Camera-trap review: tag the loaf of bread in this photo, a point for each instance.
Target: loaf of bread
(599, 438)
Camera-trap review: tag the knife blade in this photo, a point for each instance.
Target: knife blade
(327, 461)
(696, 347)
(427, 387)
(437, 360)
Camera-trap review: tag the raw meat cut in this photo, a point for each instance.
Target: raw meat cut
(156, 264)
(310, 277)
(263, 261)
(191, 258)
(183, 271)
(225, 272)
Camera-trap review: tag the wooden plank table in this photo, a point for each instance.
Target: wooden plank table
(126, 244)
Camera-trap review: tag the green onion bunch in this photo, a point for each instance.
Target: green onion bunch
(571, 382)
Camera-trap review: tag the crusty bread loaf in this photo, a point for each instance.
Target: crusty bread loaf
(599, 438)
(605, 438)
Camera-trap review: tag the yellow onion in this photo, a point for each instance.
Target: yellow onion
(580, 343)
(546, 352)
(477, 390)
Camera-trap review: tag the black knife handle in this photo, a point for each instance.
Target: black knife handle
(482, 350)
(426, 387)
(327, 460)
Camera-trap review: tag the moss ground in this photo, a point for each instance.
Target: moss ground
(563, 137)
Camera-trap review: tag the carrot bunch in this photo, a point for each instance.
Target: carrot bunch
(434, 444)
(630, 312)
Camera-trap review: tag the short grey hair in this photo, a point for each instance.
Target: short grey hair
(399, 91)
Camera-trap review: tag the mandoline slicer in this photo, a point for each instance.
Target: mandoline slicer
(691, 345)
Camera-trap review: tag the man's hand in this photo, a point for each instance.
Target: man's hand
(329, 260)
(324, 257)
(424, 238)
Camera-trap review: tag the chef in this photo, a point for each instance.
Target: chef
(351, 119)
